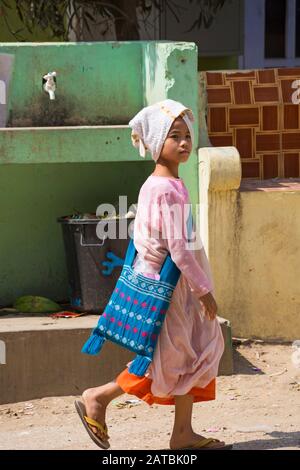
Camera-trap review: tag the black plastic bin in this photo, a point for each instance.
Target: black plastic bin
(89, 288)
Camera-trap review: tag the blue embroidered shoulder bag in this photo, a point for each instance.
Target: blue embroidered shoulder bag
(135, 312)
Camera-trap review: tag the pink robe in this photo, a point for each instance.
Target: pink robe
(189, 346)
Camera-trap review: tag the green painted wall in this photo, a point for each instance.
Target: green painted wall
(32, 256)
(66, 144)
(97, 83)
(177, 63)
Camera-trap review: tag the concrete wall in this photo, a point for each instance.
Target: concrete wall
(162, 59)
(92, 86)
(41, 356)
(252, 237)
(46, 361)
(32, 257)
(97, 83)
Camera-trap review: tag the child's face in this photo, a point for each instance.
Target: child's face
(178, 144)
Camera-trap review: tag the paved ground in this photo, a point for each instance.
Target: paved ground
(257, 408)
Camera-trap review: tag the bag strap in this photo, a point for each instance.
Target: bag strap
(169, 271)
(130, 253)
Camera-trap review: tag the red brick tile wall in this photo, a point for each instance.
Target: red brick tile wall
(253, 111)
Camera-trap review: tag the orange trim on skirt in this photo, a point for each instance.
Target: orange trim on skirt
(141, 388)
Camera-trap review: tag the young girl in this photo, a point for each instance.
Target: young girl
(190, 344)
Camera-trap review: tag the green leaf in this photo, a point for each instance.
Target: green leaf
(6, 5)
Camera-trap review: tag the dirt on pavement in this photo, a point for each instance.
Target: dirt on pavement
(256, 408)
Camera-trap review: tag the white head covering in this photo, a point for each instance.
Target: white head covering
(151, 125)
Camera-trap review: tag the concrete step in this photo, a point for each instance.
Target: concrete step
(41, 356)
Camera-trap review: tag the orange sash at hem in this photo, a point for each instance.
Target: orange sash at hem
(141, 388)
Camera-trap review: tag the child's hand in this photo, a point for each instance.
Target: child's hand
(210, 306)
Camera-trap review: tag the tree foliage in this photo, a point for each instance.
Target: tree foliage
(63, 16)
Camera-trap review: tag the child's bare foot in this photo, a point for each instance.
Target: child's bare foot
(190, 439)
(95, 405)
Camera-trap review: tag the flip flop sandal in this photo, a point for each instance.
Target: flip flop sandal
(87, 422)
(203, 444)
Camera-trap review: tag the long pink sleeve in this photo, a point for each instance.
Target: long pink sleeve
(174, 233)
